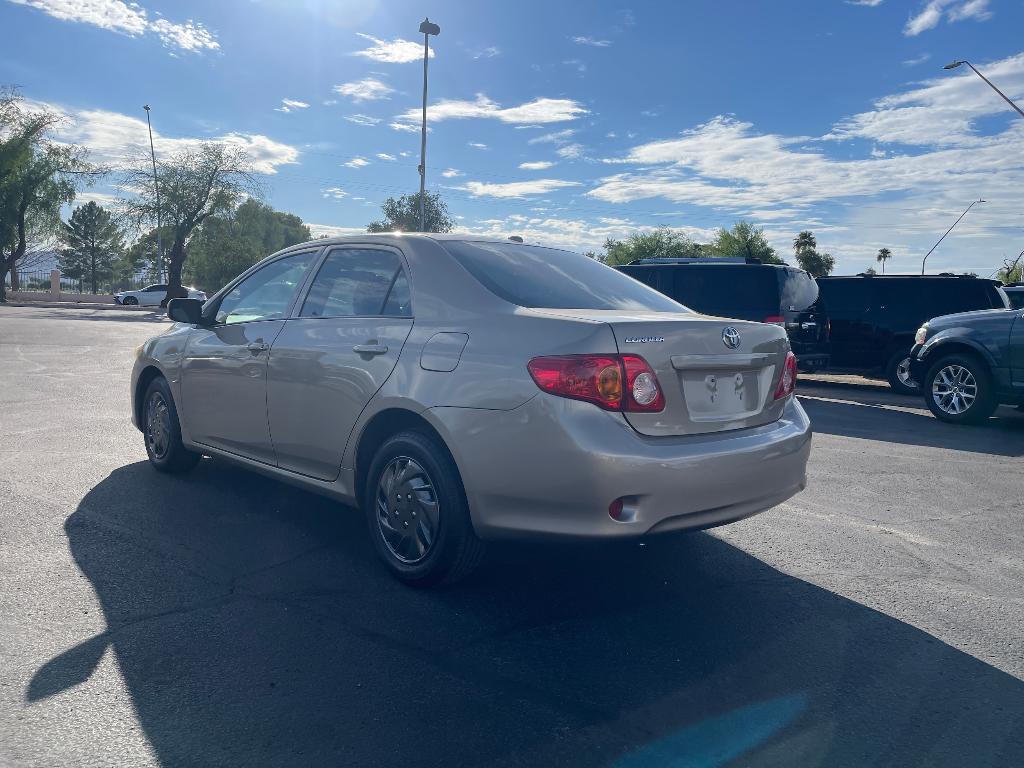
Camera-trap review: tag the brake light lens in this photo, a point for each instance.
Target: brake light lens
(775, 320)
(787, 381)
(612, 382)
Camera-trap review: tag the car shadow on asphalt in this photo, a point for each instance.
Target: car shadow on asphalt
(253, 625)
(852, 412)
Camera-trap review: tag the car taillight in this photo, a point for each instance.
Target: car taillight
(613, 382)
(787, 381)
(775, 319)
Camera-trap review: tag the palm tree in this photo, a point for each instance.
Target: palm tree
(884, 254)
(805, 242)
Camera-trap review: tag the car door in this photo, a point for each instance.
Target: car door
(329, 361)
(152, 295)
(224, 370)
(847, 304)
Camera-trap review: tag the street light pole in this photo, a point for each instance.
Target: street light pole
(156, 186)
(947, 232)
(428, 29)
(955, 64)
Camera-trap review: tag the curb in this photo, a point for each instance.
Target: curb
(79, 305)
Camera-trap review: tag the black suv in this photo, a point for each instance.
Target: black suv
(873, 318)
(746, 290)
(1015, 293)
(970, 363)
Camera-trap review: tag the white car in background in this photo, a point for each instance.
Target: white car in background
(152, 295)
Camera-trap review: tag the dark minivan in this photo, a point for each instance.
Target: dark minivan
(746, 290)
(873, 318)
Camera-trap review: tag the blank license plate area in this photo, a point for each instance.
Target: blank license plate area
(712, 395)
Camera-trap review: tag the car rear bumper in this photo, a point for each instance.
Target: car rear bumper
(553, 466)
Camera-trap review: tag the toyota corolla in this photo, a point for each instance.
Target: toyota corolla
(460, 390)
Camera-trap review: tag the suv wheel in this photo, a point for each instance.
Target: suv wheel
(897, 371)
(417, 512)
(129, 301)
(162, 430)
(959, 390)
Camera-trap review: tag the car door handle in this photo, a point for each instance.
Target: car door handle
(370, 349)
(257, 346)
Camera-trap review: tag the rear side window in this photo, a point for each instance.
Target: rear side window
(531, 276)
(845, 298)
(744, 291)
(953, 295)
(359, 282)
(1016, 297)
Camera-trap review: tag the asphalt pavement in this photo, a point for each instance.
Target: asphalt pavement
(221, 618)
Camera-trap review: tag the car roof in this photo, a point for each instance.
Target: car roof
(393, 238)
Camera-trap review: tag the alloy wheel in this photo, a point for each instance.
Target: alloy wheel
(407, 510)
(158, 425)
(954, 389)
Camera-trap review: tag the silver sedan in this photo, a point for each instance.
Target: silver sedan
(459, 390)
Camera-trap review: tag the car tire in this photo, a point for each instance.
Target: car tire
(417, 513)
(161, 431)
(897, 371)
(959, 389)
(129, 301)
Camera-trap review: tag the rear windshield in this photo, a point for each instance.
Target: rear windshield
(530, 276)
(799, 290)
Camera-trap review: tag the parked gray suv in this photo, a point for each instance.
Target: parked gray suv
(970, 362)
(459, 390)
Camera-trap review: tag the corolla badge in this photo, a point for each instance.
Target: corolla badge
(643, 339)
(731, 337)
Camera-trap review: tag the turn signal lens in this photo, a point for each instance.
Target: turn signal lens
(787, 381)
(613, 382)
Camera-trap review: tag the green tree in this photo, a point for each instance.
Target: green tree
(92, 244)
(661, 243)
(227, 245)
(744, 240)
(870, 271)
(805, 241)
(37, 177)
(884, 254)
(1012, 271)
(816, 263)
(195, 184)
(403, 215)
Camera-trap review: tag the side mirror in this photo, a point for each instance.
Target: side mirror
(185, 311)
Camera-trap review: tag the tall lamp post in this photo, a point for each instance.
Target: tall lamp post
(955, 64)
(156, 186)
(428, 28)
(947, 232)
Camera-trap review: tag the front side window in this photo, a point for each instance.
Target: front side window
(155, 288)
(266, 293)
(359, 282)
(531, 276)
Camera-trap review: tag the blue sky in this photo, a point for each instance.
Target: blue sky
(569, 122)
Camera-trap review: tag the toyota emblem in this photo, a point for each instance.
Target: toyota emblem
(731, 338)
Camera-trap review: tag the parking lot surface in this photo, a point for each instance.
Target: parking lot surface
(222, 618)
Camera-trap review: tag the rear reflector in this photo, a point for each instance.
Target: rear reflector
(787, 381)
(775, 319)
(613, 382)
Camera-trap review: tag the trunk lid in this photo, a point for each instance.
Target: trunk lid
(708, 386)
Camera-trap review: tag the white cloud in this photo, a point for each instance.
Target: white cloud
(385, 156)
(477, 145)
(334, 193)
(362, 119)
(558, 137)
(576, 64)
(287, 105)
(331, 230)
(537, 165)
(868, 3)
(570, 151)
(115, 139)
(931, 14)
(407, 127)
(517, 188)
(128, 19)
(487, 53)
(357, 162)
(367, 89)
(395, 51)
(917, 60)
(585, 40)
(451, 173)
(536, 111)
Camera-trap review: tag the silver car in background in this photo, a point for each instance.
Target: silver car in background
(459, 390)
